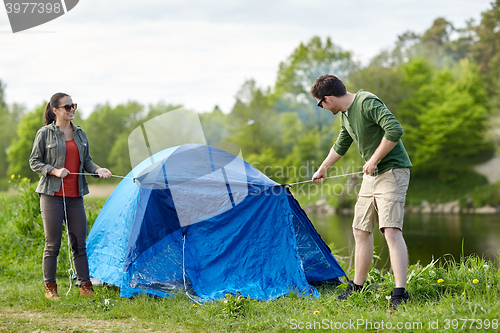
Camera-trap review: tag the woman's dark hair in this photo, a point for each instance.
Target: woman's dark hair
(328, 85)
(49, 115)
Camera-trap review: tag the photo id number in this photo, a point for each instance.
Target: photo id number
(470, 324)
(33, 7)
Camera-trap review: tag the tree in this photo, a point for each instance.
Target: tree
(385, 82)
(486, 51)
(297, 74)
(436, 38)
(5, 127)
(20, 149)
(9, 120)
(119, 158)
(253, 121)
(449, 118)
(215, 125)
(105, 124)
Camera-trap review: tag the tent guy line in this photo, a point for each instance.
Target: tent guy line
(95, 174)
(71, 271)
(337, 176)
(306, 181)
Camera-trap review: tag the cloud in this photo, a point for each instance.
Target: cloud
(195, 53)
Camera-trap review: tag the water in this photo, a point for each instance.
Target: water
(427, 236)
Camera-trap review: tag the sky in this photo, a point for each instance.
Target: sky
(193, 52)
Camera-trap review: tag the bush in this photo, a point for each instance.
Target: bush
(21, 228)
(486, 195)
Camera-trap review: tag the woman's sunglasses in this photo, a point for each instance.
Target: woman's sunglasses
(68, 107)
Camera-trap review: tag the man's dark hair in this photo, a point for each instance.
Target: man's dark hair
(328, 85)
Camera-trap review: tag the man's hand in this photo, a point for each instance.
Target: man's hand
(103, 172)
(383, 149)
(370, 167)
(320, 175)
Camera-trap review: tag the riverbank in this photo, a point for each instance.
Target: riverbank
(322, 207)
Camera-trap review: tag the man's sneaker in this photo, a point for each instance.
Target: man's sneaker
(351, 287)
(399, 296)
(51, 291)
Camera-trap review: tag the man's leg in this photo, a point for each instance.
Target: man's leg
(398, 254)
(363, 255)
(390, 193)
(362, 228)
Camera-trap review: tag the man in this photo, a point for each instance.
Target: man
(368, 122)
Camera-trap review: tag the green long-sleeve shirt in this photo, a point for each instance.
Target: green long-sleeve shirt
(366, 122)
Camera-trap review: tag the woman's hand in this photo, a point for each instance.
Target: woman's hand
(61, 173)
(103, 173)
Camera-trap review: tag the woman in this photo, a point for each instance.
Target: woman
(60, 152)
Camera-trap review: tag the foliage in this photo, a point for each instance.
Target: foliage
(252, 122)
(447, 117)
(214, 125)
(104, 126)
(236, 305)
(433, 190)
(9, 118)
(387, 82)
(21, 231)
(20, 149)
(297, 74)
(118, 158)
(486, 51)
(485, 195)
(308, 61)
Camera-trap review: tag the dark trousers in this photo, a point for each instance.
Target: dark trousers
(52, 208)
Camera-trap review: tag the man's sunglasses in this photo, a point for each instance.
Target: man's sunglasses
(320, 103)
(68, 107)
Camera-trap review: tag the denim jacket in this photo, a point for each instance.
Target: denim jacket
(49, 152)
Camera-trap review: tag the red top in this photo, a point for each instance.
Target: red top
(72, 163)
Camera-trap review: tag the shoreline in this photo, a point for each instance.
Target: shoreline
(322, 208)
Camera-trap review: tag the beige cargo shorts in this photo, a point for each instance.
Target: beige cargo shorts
(383, 196)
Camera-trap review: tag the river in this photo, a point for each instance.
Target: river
(427, 236)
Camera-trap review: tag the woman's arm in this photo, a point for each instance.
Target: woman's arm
(37, 161)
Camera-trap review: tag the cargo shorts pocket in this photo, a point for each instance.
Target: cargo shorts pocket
(402, 180)
(364, 214)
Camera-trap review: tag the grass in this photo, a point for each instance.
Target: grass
(24, 307)
(443, 291)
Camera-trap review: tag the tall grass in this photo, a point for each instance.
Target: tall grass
(21, 231)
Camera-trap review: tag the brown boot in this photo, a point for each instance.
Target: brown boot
(51, 291)
(86, 289)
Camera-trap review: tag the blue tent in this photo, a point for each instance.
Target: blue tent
(200, 218)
